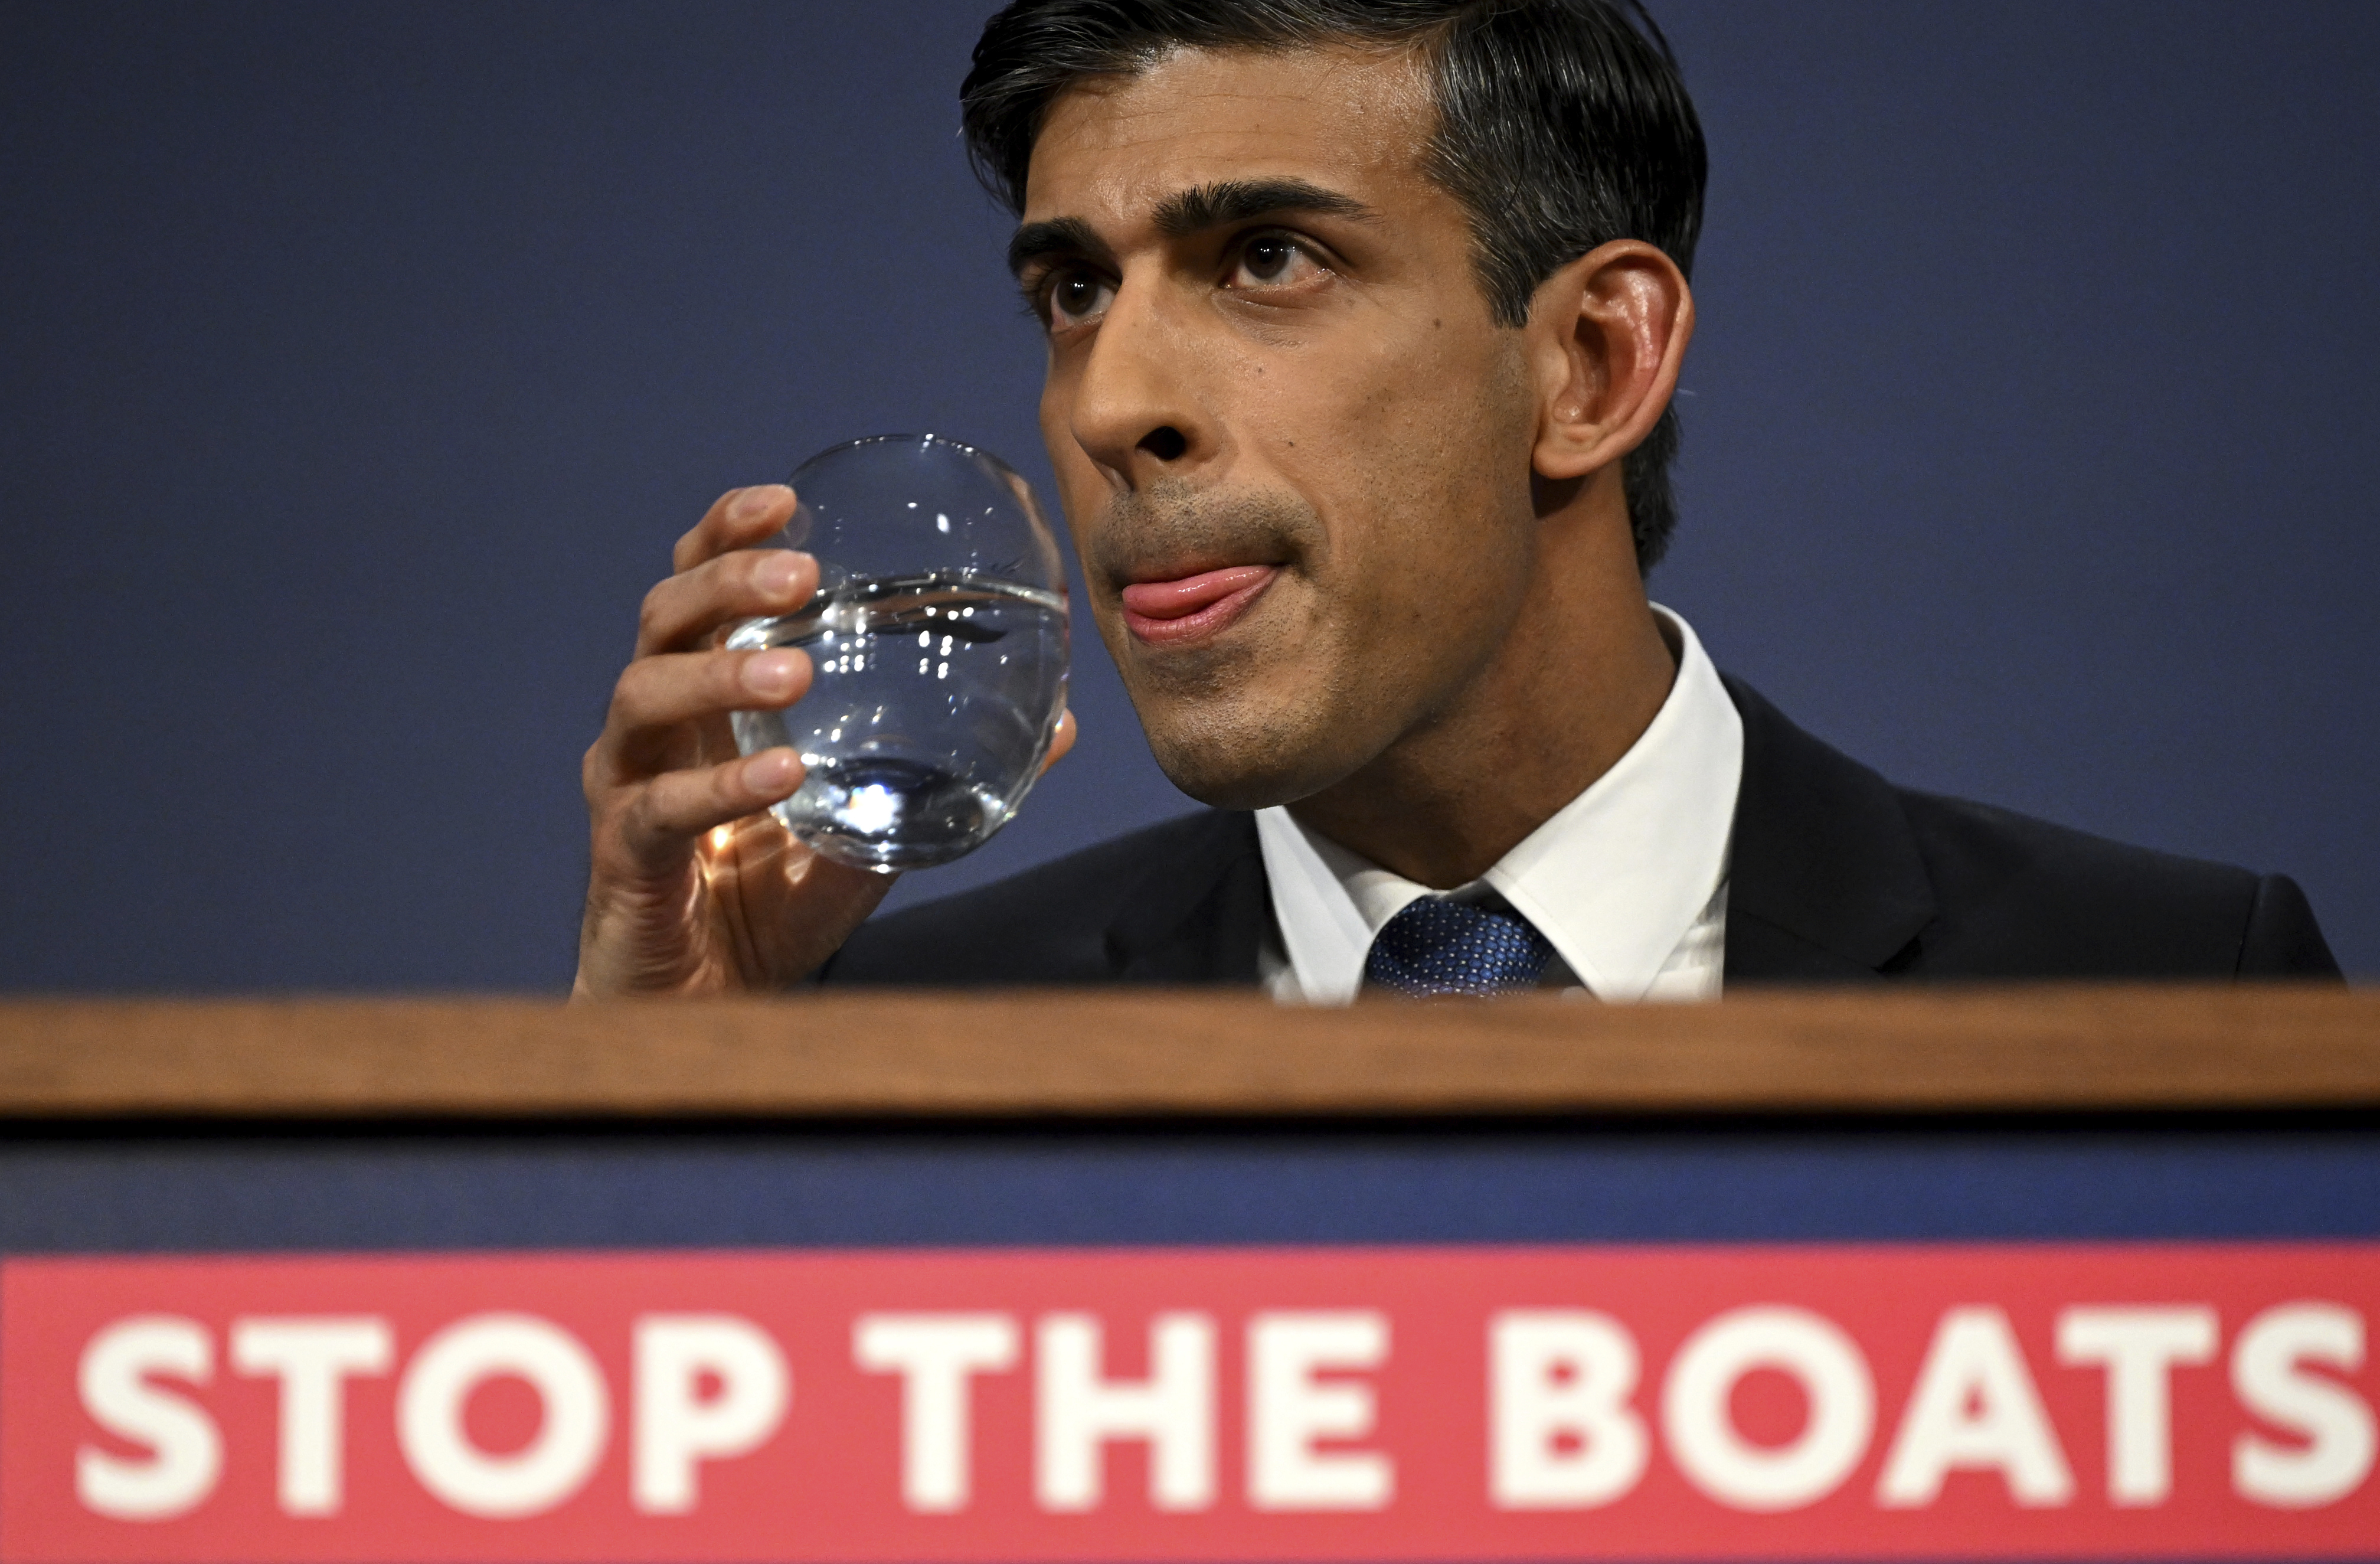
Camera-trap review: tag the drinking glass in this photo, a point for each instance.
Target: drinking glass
(938, 638)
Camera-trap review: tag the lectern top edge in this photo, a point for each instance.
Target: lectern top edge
(1160, 1053)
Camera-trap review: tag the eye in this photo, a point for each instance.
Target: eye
(1273, 260)
(1075, 297)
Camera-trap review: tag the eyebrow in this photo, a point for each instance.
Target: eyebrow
(1184, 213)
(1235, 201)
(1055, 236)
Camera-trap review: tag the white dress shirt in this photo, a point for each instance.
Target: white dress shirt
(1627, 882)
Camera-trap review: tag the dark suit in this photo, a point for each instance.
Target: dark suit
(1836, 876)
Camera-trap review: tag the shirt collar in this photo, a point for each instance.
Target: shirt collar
(1614, 880)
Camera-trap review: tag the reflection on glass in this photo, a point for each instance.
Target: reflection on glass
(938, 638)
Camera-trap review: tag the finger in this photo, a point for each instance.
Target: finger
(658, 696)
(674, 809)
(738, 519)
(745, 584)
(1061, 741)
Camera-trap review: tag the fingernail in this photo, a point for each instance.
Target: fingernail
(754, 500)
(771, 673)
(778, 572)
(769, 772)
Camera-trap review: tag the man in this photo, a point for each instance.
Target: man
(1364, 321)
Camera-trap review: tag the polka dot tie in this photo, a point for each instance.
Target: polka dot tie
(1440, 946)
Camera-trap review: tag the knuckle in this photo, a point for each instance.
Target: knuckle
(629, 694)
(724, 676)
(631, 822)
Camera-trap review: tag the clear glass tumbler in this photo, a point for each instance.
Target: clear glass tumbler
(939, 641)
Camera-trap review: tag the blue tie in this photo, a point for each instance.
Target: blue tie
(1440, 946)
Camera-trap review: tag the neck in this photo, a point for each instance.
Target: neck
(1583, 673)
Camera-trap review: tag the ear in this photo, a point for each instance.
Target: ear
(1608, 332)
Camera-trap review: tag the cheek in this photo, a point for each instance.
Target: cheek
(1056, 432)
(1444, 409)
(1440, 565)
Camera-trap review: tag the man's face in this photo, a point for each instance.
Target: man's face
(1292, 444)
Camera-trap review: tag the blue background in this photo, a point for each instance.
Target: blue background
(1148, 1184)
(360, 363)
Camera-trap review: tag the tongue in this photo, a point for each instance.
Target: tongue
(1175, 600)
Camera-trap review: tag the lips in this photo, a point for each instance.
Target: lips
(1191, 607)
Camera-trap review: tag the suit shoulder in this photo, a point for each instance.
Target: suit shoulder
(1047, 924)
(2016, 893)
(1985, 840)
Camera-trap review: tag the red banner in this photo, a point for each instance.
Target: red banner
(1981, 1402)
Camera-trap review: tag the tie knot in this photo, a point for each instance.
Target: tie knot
(1440, 946)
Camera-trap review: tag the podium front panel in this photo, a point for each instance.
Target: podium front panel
(1589, 1331)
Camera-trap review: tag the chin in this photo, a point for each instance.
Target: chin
(1235, 760)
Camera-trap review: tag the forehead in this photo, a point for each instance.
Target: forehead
(1354, 120)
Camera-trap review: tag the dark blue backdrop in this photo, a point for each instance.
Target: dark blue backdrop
(723, 1186)
(360, 363)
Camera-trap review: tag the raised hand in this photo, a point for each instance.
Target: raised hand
(694, 888)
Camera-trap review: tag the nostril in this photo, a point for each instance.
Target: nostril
(1165, 442)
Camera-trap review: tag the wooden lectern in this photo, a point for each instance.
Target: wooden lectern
(1024, 1054)
(999, 1276)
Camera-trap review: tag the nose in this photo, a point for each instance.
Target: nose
(1135, 412)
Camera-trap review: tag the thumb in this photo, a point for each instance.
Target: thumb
(1060, 741)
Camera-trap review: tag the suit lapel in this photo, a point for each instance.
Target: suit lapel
(1199, 911)
(1825, 884)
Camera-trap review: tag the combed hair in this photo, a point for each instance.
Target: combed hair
(1562, 124)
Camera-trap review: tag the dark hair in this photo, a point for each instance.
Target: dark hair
(1562, 125)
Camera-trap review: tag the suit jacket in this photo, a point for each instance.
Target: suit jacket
(1836, 876)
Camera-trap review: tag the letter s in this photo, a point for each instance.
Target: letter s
(2334, 1420)
(186, 1447)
